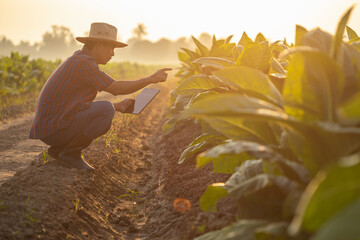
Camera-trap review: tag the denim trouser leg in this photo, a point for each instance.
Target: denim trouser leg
(92, 123)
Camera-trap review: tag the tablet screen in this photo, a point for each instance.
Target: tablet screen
(144, 98)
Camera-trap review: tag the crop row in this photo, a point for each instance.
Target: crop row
(284, 120)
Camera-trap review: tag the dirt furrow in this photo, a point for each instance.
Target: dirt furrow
(48, 200)
(130, 195)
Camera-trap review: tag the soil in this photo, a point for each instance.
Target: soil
(130, 195)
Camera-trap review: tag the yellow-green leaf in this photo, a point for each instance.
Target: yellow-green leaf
(251, 80)
(260, 38)
(351, 33)
(211, 196)
(300, 32)
(256, 55)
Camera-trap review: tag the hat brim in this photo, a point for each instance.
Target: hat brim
(92, 39)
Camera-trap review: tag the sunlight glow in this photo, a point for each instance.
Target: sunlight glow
(28, 20)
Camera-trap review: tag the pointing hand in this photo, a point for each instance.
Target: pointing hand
(159, 75)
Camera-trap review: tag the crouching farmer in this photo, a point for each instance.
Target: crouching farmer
(66, 117)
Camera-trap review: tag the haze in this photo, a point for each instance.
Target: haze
(29, 20)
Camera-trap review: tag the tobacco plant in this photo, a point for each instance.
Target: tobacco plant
(284, 120)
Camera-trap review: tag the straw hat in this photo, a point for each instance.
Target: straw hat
(102, 32)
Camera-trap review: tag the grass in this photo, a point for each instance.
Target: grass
(2, 205)
(132, 194)
(76, 203)
(28, 215)
(12, 106)
(45, 157)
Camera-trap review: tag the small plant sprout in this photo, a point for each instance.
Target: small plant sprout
(2, 205)
(132, 194)
(28, 200)
(107, 218)
(201, 229)
(159, 186)
(76, 204)
(29, 216)
(44, 156)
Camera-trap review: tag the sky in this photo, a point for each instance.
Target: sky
(28, 20)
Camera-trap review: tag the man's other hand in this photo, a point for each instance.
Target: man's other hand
(160, 75)
(125, 106)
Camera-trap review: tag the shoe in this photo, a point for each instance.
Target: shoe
(76, 162)
(54, 151)
(71, 154)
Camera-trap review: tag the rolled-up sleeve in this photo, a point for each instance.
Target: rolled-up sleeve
(90, 73)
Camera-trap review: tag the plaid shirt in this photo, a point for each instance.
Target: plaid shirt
(69, 89)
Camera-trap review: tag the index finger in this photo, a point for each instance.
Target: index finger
(166, 69)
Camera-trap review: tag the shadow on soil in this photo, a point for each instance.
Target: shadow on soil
(129, 196)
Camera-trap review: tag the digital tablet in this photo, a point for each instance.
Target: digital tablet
(144, 98)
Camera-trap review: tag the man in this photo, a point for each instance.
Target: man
(66, 117)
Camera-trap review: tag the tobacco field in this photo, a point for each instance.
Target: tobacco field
(253, 140)
(283, 120)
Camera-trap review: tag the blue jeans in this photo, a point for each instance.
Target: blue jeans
(91, 123)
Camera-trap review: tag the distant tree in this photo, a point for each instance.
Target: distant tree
(59, 43)
(24, 47)
(6, 46)
(139, 31)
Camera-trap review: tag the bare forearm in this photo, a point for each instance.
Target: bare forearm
(127, 87)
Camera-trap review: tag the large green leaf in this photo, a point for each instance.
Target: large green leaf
(228, 39)
(328, 193)
(251, 80)
(277, 74)
(338, 38)
(202, 49)
(241, 129)
(193, 55)
(224, 50)
(184, 57)
(224, 160)
(313, 87)
(350, 110)
(244, 40)
(260, 38)
(202, 142)
(324, 42)
(243, 229)
(247, 170)
(211, 196)
(276, 67)
(237, 105)
(273, 162)
(319, 39)
(355, 58)
(235, 149)
(215, 62)
(195, 84)
(351, 33)
(179, 103)
(273, 231)
(263, 194)
(236, 128)
(315, 143)
(256, 55)
(344, 225)
(277, 47)
(300, 32)
(205, 94)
